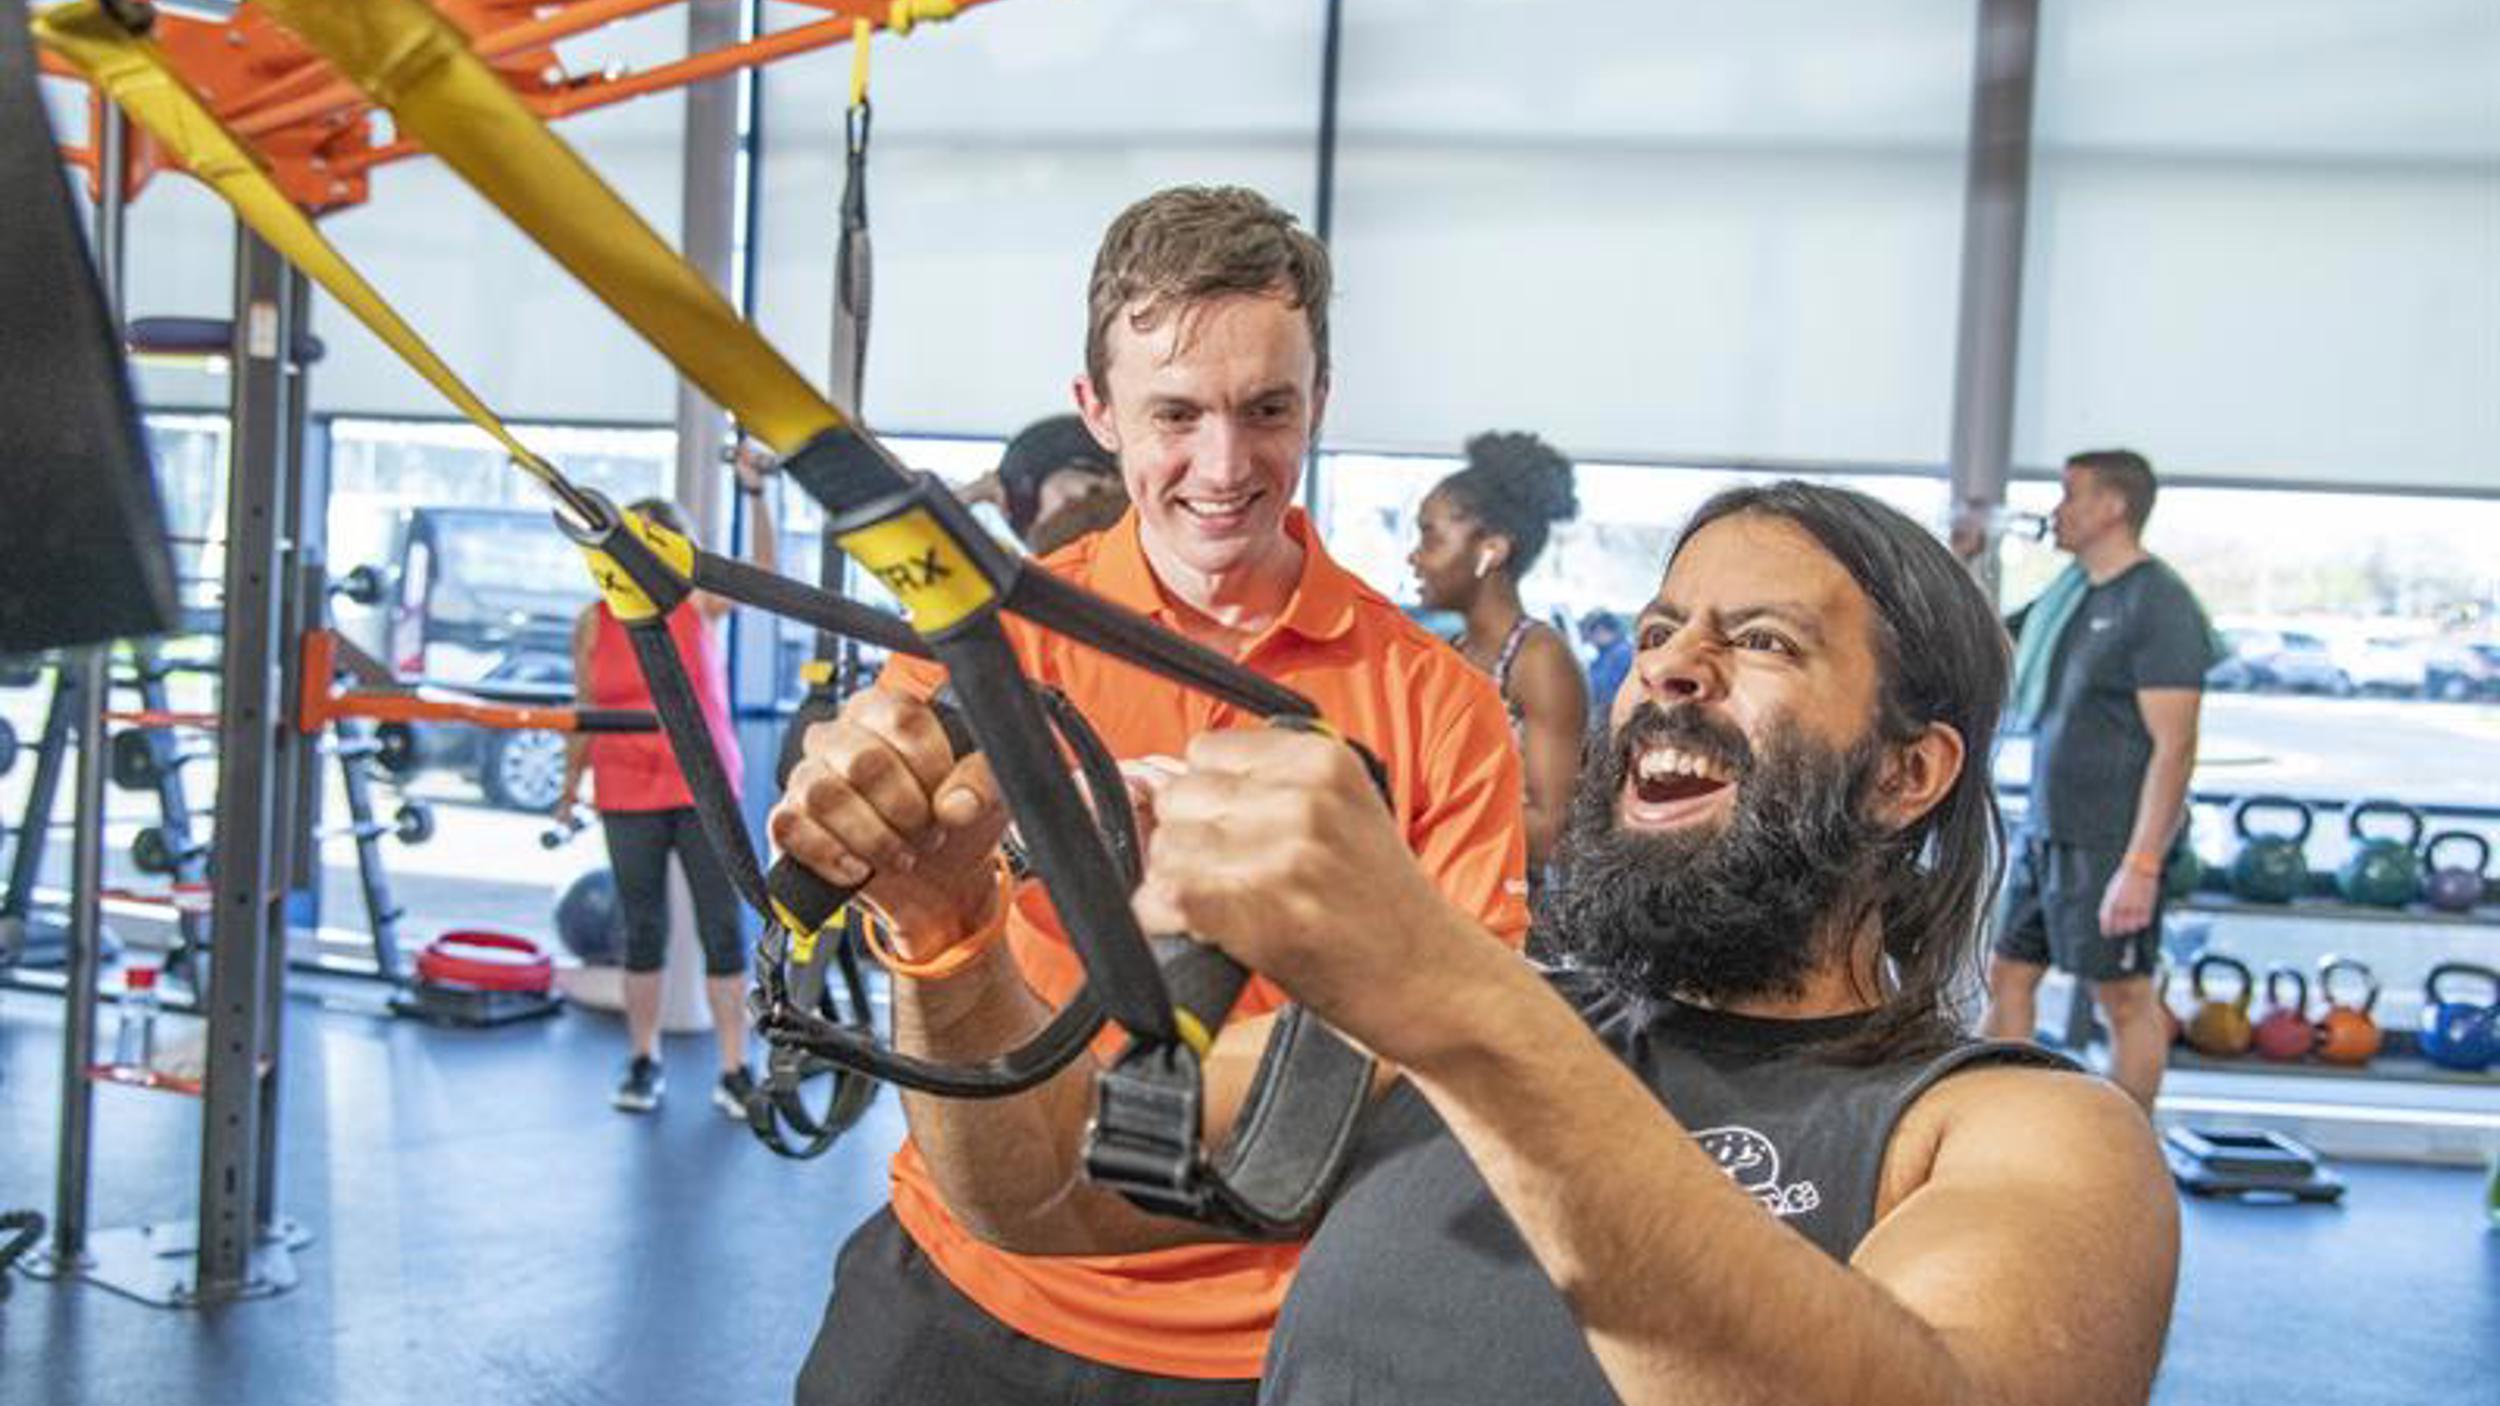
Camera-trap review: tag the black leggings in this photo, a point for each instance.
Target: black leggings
(639, 843)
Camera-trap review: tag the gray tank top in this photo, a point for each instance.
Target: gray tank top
(1418, 1288)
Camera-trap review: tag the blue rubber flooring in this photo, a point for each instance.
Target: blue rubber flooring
(488, 1230)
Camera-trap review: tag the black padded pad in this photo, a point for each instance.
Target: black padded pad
(83, 555)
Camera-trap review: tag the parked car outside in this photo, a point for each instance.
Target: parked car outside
(483, 600)
(2461, 671)
(2238, 670)
(2301, 662)
(2386, 665)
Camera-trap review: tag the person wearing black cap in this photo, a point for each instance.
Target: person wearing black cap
(1049, 465)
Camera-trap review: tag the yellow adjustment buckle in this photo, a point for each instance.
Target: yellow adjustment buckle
(816, 673)
(924, 568)
(1193, 1032)
(624, 597)
(802, 937)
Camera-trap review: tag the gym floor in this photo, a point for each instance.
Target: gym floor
(487, 1229)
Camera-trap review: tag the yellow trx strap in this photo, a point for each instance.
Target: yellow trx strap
(414, 62)
(133, 71)
(860, 30)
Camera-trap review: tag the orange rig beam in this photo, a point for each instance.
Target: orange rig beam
(315, 132)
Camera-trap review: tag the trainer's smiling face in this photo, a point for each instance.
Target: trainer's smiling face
(1755, 630)
(1211, 408)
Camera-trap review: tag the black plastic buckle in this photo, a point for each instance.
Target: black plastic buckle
(1144, 1139)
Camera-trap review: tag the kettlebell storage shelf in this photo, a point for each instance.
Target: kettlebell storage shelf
(2395, 1063)
(2409, 1068)
(2335, 910)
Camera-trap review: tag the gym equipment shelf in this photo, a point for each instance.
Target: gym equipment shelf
(2385, 1066)
(140, 1076)
(2334, 910)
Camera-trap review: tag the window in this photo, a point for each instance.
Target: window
(1610, 557)
(2362, 629)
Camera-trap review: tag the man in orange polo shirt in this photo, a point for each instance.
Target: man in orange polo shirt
(1206, 371)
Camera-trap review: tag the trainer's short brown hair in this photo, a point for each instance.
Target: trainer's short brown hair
(1191, 244)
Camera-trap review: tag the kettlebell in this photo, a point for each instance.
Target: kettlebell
(2172, 1030)
(2346, 1033)
(2271, 867)
(2456, 1034)
(2454, 888)
(2382, 872)
(2284, 1031)
(2220, 1027)
(2182, 871)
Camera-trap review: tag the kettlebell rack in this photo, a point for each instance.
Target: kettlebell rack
(2397, 875)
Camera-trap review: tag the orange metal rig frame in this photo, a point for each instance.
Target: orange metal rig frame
(315, 130)
(320, 701)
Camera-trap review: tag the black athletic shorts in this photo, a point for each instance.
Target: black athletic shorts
(2050, 914)
(898, 1334)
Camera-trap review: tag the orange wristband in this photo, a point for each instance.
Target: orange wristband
(955, 958)
(2138, 862)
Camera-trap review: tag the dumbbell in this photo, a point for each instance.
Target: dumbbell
(362, 585)
(138, 766)
(411, 824)
(392, 747)
(8, 746)
(155, 854)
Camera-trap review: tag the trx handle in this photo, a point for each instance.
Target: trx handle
(807, 902)
(776, 1112)
(1289, 1141)
(613, 720)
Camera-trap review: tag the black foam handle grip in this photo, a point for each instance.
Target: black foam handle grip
(614, 720)
(1203, 982)
(808, 899)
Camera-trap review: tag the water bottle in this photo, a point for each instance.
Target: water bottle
(1978, 525)
(134, 1045)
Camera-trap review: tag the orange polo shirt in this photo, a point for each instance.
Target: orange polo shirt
(1204, 1311)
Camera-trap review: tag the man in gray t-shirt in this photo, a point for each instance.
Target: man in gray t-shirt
(2109, 677)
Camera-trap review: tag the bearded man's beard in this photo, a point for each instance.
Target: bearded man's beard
(1743, 909)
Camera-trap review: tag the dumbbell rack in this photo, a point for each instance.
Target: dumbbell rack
(190, 863)
(354, 744)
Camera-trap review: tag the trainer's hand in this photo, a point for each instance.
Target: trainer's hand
(2127, 903)
(878, 800)
(1273, 846)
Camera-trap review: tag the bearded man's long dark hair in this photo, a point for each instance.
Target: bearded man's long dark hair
(1941, 657)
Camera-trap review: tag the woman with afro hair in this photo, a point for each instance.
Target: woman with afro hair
(1479, 531)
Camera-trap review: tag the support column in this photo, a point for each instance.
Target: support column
(1324, 187)
(1996, 192)
(709, 242)
(247, 931)
(72, 1179)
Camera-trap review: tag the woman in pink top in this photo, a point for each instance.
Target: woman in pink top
(647, 814)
